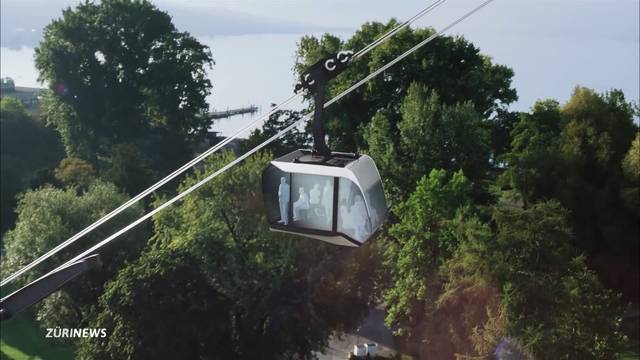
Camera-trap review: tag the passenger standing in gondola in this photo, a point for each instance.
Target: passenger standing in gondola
(359, 217)
(283, 199)
(301, 204)
(314, 199)
(327, 201)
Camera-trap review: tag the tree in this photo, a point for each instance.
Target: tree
(48, 216)
(631, 162)
(27, 148)
(421, 241)
(128, 170)
(463, 315)
(437, 315)
(121, 72)
(179, 300)
(278, 121)
(429, 135)
(630, 192)
(574, 154)
(263, 294)
(518, 280)
(11, 185)
(555, 306)
(449, 66)
(75, 172)
(532, 160)
(500, 129)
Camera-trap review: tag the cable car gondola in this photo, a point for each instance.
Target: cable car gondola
(331, 196)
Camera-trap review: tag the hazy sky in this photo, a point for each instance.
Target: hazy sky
(551, 45)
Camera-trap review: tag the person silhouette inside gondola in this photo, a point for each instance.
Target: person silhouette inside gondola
(314, 200)
(301, 204)
(283, 200)
(359, 218)
(327, 201)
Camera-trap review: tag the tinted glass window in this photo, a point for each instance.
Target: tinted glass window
(312, 201)
(367, 174)
(276, 187)
(353, 217)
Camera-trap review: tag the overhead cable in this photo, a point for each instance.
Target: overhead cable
(200, 157)
(106, 241)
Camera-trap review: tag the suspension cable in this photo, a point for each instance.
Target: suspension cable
(202, 156)
(141, 195)
(393, 31)
(106, 241)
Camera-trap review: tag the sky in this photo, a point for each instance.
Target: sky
(551, 45)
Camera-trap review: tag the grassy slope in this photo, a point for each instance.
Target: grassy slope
(21, 338)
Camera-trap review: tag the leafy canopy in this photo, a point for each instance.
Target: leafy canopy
(73, 171)
(449, 66)
(575, 153)
(129, 169)
(429, 135)
(234, 289)
(422, 240)
(555, 306)
(27, 148)
(47, 217)
(120, 72)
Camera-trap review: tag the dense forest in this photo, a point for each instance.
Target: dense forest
(508, 232)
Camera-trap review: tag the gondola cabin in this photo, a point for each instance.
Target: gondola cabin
(338, 199)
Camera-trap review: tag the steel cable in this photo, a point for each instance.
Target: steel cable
(215, 148)
(104, 242)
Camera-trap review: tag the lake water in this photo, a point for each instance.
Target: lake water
(249, 70)
(257, 69)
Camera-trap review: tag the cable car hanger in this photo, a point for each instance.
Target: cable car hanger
(207, 153)
(339, 196)
(315, 79)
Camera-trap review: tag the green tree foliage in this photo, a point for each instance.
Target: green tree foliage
(429, 135)
(450, 66)
(48, 216)
(554, 304)
(121, 72)
(75, 172)
(500, 129)
(459, 286)
(574, 154)
(532, 160)
(631, 162)
(27, 147)
(184, 316)
(421, 241)
(128, 169)
(233, 283)
(439, 315)
(461, 314)
(278, 121)
(630, 192)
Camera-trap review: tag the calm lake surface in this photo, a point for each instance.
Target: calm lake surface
(257, 69)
